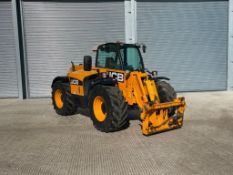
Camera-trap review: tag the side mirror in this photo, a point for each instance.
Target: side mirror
(144, 48)
(154, 73)
(87, 63)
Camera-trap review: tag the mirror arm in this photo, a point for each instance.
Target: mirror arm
(73, 66)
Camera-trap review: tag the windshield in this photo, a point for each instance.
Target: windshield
(131, 58)
(108, 57)
(113, 56)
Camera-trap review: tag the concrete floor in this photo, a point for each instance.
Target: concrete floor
(34, 140)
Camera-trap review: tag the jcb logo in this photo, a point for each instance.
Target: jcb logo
(117, 75)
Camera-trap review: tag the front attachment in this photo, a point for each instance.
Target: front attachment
(155, 118)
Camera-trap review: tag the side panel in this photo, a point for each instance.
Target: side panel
(81, 74)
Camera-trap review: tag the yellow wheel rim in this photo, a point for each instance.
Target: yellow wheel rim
(99, 109)
(58, 99)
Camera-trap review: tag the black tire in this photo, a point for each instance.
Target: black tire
(115, 109)
(166, 94)
(69, 103)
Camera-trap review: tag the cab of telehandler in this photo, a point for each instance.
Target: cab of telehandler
(119, 56)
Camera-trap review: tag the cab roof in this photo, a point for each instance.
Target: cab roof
(117, 42)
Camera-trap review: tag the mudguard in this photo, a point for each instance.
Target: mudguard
(160, 78)
(60, 78)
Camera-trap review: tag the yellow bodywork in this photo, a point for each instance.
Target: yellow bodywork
(138, 89)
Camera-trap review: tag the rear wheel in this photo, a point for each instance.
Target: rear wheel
(108, 109)
(63, 101)
(166, 94)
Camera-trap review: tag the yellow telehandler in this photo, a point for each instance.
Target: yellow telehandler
(118, 81)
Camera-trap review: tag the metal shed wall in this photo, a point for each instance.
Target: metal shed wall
(57, 32)
(8, 68)
(186, 41)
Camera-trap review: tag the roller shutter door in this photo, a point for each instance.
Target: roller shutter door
(57, 32)
(186, 41)
(8, 71)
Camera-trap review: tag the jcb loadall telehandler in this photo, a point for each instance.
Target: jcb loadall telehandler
(118, 81)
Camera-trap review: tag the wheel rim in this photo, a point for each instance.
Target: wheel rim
(58, 98)
(99, 109)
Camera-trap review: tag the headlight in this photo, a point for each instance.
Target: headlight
(104, 75)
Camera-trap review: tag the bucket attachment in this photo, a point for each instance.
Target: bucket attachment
(157, 118)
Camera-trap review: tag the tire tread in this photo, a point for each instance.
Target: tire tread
(69, 103)
(119, 117)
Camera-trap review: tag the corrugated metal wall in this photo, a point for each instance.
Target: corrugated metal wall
(8, 70)
(57, 32)
(186, 41)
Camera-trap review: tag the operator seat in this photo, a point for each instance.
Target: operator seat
(110, 63)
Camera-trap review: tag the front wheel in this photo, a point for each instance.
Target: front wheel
(108, 109)
(166, 94)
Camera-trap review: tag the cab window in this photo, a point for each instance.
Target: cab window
(108, 57)
(132, 59)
